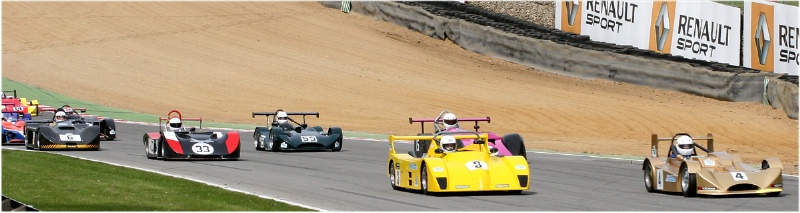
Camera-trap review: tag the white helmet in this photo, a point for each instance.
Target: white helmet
(175, 123)
(449, 120)
(61, 116)
(68, 109)
(282, 117)
(685, 145)
(448, 143)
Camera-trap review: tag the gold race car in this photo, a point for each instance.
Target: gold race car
(460, 168)
(717, 173)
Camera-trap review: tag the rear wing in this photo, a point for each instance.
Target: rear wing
(434, 146)
(51, 109)
(304, 114)
(654, 139)
(179, 116)
(422, 121)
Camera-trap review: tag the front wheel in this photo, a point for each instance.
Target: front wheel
(337, 145)
(688, 182)
(273, 146)
(393, 177)
(423, 179)
(648, 177)
(259, 143)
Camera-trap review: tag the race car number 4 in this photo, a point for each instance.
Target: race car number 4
(739, 176)
(308, 138)
(202, 148)
(476, 164)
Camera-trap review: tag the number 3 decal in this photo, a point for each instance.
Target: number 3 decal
(476, 164)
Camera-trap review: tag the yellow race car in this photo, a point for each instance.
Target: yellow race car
(455, 167)
(716, 173)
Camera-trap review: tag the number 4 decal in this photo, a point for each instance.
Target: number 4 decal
(737, 176)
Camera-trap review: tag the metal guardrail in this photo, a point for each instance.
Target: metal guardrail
(9, 204)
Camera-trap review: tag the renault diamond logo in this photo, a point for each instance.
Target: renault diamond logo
(572, 11)
(662, 26)
(762, 39)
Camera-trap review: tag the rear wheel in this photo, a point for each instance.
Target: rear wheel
(648, 177)
(515, 144)
(764, 165)
(688, 182)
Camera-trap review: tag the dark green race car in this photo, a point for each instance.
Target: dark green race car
(281, 135)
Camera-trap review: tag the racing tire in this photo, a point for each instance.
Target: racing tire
(273, 147)
(161, 150)
(423, 179)
(147, 147)
(259, 145)
(688, 182)
(764, 165)
(515, 192)
(515, 145)
(648, 177)
(392, 176)
(773, 194)
(340, 145)
(29, 138)
(336, 130)
(36, 144)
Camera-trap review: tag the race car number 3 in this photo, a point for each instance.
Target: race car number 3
(308, 138)
(202, 148)
(476, 164)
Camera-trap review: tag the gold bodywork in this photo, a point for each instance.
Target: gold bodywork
(471, 168)
(716, 173)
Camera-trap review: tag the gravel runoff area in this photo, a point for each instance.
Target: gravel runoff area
(539, 12)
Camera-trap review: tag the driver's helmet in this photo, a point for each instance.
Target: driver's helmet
(68, 109)
(685, 145)
(448, 143)
(175, 123)
(282, 117)
(450, 121)
(61, 116)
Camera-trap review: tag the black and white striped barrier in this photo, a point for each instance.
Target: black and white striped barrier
(15, 206)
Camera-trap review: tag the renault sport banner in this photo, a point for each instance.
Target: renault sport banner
(697, 32)
(771, 37)
(619, 22)
(685, 28)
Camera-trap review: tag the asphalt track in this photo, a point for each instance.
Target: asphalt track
(355, 180)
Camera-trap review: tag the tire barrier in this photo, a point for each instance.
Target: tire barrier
(13, 205)
(512, 39)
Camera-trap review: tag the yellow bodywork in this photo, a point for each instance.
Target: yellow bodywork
(33, 106)
(471, 168)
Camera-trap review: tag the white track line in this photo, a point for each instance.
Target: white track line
(187, 178)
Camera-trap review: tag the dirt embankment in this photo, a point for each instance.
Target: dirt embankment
(223, 60)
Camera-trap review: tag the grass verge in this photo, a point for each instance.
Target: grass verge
(81, 185)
